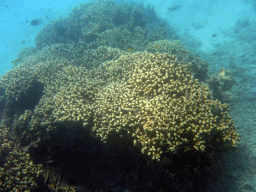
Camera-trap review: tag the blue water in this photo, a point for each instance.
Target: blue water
(16, 30)
(222, 32)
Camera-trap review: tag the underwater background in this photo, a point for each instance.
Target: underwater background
(128, 95)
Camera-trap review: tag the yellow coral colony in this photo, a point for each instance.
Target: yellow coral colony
(152, 97)
(18, 172)
(165, 109)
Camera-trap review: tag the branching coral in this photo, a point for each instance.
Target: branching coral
(164, 108)
(17, 170)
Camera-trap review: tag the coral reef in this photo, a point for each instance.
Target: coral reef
(104, 103)
(105, 23)
(151, 100)
(165, 109)
(17, 172)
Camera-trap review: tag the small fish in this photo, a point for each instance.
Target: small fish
(130, 49)
(214, 35)
(174, 8)
(35, 22)
(50, 161)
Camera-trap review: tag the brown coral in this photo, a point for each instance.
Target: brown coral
(154, 99)
(17, 170)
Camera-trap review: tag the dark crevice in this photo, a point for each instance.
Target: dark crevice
(27, 100)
